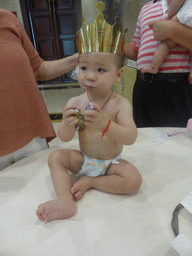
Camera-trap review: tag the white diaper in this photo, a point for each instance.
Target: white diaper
(184, 15)
(93, 167)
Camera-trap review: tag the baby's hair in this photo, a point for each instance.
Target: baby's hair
(119, 61)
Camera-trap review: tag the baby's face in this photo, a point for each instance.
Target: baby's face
(97, 71)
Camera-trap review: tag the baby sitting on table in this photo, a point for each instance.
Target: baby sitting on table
(108, 126)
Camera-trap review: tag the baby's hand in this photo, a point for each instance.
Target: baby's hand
(90, 106)
(81, 125)
(95, 117)
(69, 116)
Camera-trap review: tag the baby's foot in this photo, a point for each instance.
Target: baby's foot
(190, 78)
(81, 186)
(150, 69)
(60, 208)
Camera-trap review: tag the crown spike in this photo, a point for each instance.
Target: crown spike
(100, 18)
(100, 7)
(100, 36)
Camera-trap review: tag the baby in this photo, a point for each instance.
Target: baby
(179, 11)
(108, 126)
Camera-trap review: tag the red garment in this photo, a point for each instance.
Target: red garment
(23, 114)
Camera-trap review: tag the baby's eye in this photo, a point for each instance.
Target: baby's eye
(83, 68)
(101, 70)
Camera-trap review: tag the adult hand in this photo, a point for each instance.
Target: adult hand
(51, 69)
(168, 29)
(161, 29)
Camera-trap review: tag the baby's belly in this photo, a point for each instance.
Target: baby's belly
(95, 147)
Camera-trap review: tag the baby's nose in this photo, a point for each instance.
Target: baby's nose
(91, 76)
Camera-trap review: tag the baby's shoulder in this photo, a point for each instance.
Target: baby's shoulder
(76, 100)
(121, 101)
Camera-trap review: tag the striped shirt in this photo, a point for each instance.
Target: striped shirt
(143, 41)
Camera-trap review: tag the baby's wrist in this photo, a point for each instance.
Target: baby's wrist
(105, 129)
(69, 126)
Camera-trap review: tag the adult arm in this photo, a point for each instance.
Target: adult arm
(43, 70)
(180, 34)
(130, 52)
(51, 69)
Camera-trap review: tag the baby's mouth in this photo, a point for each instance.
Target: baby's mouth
(88, 85)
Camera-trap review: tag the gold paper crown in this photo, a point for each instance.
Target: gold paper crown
(100, 36)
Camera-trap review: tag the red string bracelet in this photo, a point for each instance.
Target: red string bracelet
(106, 129)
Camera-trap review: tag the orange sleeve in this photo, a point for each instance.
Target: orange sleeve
(33, 55)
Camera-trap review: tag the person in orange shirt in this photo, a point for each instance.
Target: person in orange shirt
(25, 126)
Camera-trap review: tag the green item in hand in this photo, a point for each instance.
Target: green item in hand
(81, 125)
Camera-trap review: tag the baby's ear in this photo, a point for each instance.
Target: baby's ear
(119, 74)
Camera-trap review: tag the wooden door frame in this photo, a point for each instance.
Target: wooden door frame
(26, 19)
(27, 22)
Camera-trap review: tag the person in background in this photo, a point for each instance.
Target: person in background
(25, 126)
(163, 99)
(168, 29)
(178, 13)
(108, 126)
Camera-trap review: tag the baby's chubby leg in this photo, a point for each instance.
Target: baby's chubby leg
(60, 162)
(159, 57)
(190, 77)
(122, 178)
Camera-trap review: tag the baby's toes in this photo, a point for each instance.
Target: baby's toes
(40, 212)
(190, 79)
(78, 195)
(75, 188)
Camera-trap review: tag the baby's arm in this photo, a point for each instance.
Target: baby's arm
(66, 130)
(174, 8)
(123, 131)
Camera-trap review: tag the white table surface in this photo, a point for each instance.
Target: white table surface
(105, 224)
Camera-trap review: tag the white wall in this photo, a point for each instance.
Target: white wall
(131, 9)
(89, 10)
(12, 5)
